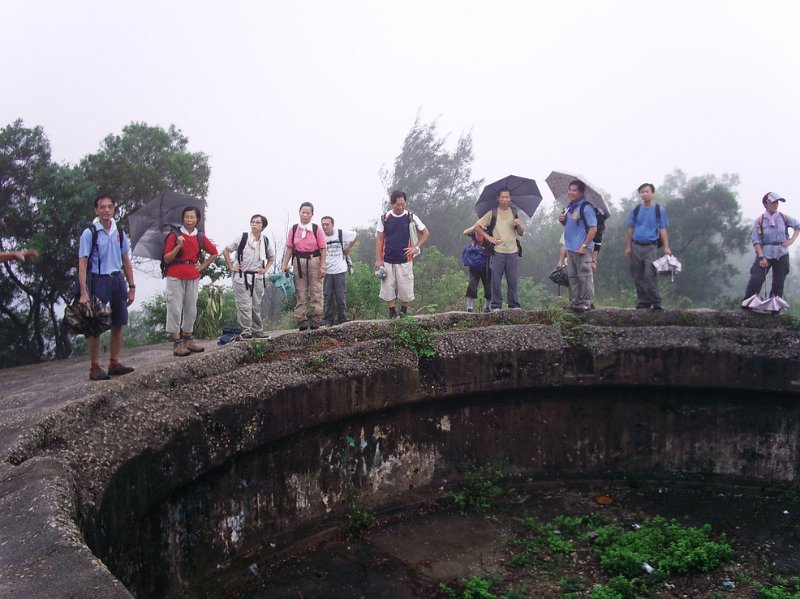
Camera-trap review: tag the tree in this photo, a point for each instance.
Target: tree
(438, 184)
(705, 229)
(144, 160)
(46, 206)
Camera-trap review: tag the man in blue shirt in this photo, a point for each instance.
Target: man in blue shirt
(580, 227)
(770, 236)
(647, 224)
(100, 271)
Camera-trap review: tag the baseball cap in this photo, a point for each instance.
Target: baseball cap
(774, 197)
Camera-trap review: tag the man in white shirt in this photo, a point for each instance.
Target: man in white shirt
(334, 286)
(254, 257)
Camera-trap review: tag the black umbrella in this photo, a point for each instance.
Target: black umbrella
(149, 224)
(525, 195)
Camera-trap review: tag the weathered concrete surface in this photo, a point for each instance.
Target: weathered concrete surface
(174, 423)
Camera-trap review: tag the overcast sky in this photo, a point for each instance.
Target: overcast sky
(307, 101)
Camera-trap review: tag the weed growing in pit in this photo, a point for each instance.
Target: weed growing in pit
(781, 589)
(540, 542)
(316, 362)
(482, 488)
(474, 588)
(358, 517)
(408, 333)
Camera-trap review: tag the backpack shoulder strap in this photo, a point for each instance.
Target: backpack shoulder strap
(341, 242)
(240, 248)
(492, 222)
(658, 216)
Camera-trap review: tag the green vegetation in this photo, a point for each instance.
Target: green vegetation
(482, 488)
(409, 333)
(473, 588)
(781, 588)
(259, 349)
(359, 518)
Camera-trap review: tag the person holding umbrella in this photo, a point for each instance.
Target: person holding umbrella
(580, 226)
(500, 227)
(182, 256)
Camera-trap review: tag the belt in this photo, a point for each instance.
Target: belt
(646, 242)
(116, 273)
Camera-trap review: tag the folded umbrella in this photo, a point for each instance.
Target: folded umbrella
(283, 282)
(91, 319)
(667, 265)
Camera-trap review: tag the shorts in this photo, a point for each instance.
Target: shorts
(399, 282)
(112, 290)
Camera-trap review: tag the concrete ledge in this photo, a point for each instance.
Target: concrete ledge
(174, 422)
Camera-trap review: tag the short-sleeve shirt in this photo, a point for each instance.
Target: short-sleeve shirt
(308, 243)
(190, 252)
(108, 257)
(336, 262)
(645, 229)
(504, 228)
(575, 227)
(250, 251)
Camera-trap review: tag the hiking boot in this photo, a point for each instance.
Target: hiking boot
(180, 350)
(192, 345)
(245, 336)
(403, 311)
(658, 309)
(392, 312)
(302, 326)
(642, 306)
(260, 335)
(314, 326)
(98, 373)
(118, 369)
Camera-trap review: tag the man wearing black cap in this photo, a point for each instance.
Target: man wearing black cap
(771, 241)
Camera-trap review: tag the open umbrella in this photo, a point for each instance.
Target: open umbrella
(525, 195)
(558, 182)
(149, 224)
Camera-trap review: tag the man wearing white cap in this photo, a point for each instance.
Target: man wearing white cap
(771, 241)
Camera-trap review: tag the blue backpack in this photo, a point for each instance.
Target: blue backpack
(473, 256)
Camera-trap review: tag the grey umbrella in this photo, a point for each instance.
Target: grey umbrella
(558, 182)
(149, 224)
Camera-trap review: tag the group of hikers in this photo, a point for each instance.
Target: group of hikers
(319, 258)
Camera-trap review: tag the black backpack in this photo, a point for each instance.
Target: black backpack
(601, 225)
(490, 231)
(176, 231)
(347, 259)
(243, 242)
(658, 221)
(76, 287)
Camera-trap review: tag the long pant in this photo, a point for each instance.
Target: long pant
(181, 304)
(780, 268)
(579, 272)
(309, 289)
(480, 275)
(505, 265)
(248, 290)
(644, 274)
(334, 290)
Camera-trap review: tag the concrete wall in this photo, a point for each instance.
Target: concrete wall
(187, 470)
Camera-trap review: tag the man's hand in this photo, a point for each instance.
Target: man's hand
(628, 251)
(667, 251)
(562, 218)
(131, 295)
(378, 264)
(84, 299)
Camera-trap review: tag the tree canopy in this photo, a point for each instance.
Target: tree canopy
(46, 206)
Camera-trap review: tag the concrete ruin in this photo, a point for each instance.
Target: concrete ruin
(147, 485)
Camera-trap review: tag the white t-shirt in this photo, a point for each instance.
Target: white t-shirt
(335, 262)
